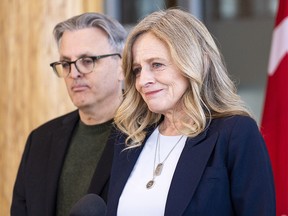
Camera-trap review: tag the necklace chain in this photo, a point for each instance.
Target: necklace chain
(157, 170)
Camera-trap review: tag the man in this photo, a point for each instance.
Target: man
(70, 156)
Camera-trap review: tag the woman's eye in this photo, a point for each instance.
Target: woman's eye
(136, 71)
(157, 66)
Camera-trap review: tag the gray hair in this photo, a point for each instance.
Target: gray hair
(115, 31)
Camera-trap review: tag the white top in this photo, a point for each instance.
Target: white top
(136, 199)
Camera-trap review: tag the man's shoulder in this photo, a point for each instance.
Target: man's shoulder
(59, 121)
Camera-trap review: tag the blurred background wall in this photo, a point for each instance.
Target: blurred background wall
(32, 94)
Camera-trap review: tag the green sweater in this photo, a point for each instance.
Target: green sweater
(84, 152)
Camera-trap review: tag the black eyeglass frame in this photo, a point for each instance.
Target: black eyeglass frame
(94, 58)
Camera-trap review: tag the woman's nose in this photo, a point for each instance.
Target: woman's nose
(146, 77)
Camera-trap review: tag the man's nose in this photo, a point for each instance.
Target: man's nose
(74, 72)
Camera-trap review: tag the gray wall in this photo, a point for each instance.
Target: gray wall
(245, 45)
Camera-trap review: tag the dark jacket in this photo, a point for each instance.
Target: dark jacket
(225, 171)
(36, 184)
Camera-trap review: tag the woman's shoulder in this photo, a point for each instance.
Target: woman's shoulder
(234, 120)
(238, 123)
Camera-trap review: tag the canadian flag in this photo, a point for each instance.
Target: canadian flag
(274, 125)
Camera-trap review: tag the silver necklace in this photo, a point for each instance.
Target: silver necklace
(157, 170)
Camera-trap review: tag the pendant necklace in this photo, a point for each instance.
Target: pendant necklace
(158, 169)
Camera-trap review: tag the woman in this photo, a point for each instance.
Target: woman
(188, 144)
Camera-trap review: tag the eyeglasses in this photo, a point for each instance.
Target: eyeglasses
(83, 65)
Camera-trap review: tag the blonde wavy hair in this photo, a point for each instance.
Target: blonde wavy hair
(211, 94)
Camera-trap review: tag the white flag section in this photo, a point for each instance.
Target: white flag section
(279, 46)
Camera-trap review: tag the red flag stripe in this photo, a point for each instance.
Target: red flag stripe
(274, 126)
(282, 11)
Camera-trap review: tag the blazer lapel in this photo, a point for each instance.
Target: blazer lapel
(127, 160)
(100, 179)
(121, 170)
(188, 173)
(59, 144)
(130, 157)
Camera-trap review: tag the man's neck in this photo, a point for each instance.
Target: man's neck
(100, 114)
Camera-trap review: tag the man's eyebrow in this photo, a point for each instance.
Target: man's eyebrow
(66, 58)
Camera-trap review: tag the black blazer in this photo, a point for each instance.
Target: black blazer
(225, 171)
(36, 183)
